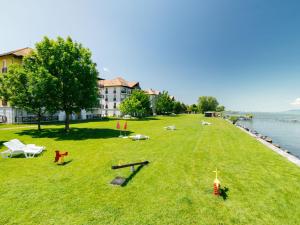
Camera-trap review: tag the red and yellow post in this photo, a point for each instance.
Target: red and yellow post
(216, 184)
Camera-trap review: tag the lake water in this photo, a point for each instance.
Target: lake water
(283, 128)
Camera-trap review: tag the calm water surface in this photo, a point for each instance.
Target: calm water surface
(283, 128)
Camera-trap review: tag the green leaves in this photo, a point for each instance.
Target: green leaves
(138, 104)
(73, 72)
(207, 103)
(58, 76)
(164, 103)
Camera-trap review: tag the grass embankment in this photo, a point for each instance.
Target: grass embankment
(175, 188)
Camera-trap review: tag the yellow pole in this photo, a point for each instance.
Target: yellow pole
(216, 171)
(216, 179)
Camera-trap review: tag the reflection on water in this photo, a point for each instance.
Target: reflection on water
(284, 129)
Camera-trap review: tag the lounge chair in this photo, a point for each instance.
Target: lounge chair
(170, 127)
(205, 123)
(16, 147)
(139, 137)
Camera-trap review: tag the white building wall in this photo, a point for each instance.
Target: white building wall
(112, 98)
(113, 102)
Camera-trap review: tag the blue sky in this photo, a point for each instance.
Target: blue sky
(246, 53)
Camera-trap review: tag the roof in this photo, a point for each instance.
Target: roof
(19, 52)
(152, 92)
(119, 81)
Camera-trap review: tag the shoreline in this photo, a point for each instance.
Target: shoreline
(292, 158)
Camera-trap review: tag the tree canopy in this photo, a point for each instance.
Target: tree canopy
(164, 103)
(192, 108)
(29, 87)
(207, 103)
(220, 108)
(70, 65)
(59, 75)
(179, 107)
(137, 104)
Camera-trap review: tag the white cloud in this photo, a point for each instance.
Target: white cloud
(296, 102)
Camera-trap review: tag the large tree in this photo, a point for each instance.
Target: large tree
(28, 87)
(164, 103)
(138, 104)
(207, 103)
(74, 72)
(178, 107)
(192, 108)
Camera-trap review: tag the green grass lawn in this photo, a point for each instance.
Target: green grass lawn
(175, 188)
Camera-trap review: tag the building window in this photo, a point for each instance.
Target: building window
(115, 105)
(123, 91)
(115, 98)
(106, 106)
(106, 98)
(115, 90)
(106, 90)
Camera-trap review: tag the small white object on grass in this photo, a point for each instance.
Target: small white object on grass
(205, 123)
(170, 127)
(139, 137)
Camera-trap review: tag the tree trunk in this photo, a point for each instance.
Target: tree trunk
(39, 121)
(67, 122)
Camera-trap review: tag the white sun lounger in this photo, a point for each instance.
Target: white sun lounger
(170, 127)
(205, 123)
(16, 147)
(139, 137)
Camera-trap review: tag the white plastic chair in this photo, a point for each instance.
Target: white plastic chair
(16, 147)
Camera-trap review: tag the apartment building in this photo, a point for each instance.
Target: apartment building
(113, 92)
(10, 114)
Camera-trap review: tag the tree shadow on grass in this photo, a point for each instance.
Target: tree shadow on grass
(75, 134)
(223, 192)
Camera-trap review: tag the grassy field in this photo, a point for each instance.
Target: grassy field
(175, 188)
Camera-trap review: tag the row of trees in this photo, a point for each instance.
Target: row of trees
(209, 103)
(206, 103)
(59, 75)
(138, 104)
